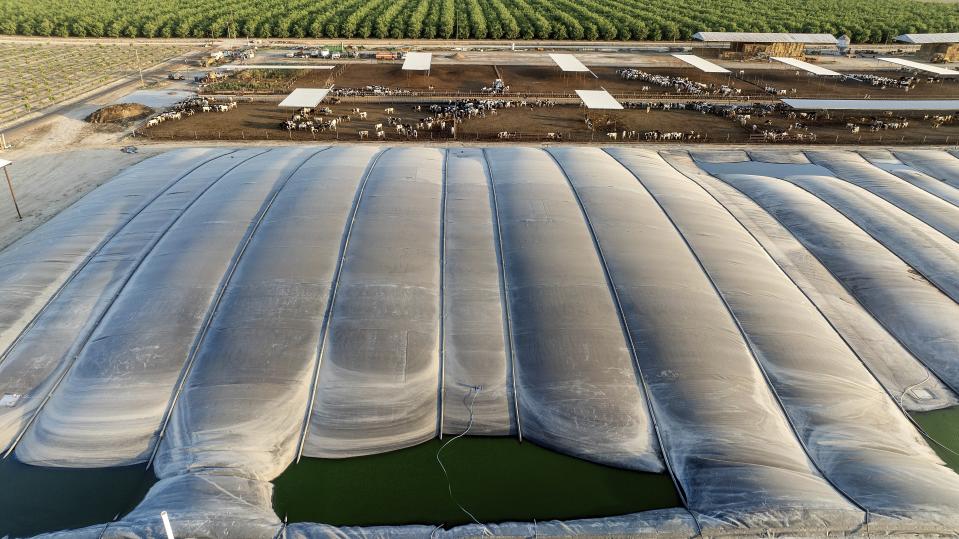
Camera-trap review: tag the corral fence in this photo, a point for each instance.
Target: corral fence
(558, 97)
(583, 136)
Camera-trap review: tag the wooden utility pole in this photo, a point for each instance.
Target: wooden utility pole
(140, 69)
(3, 165)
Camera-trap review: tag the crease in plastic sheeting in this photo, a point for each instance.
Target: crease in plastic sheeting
(944, 166)
(275, 309)
(780, 156)
(659, 524)
(718, 446)
(864, 444)
(895, 367)
(887, 162)
(656, 524)
(928, 252)
(924, 206)
(919, 315)
(475, 351)
(104, 415)
(43, 356)
(40, 264)
(203, 505)
(225, 282)
(574, 373)
(331, 300)
(380, 364)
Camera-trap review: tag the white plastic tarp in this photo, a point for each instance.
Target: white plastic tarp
(598, 100)
(920, 66)
(417, 61)
(305, 98)
(569, 63)
(701, 64)
(805, 66)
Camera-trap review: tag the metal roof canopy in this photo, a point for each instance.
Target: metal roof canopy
(765, 37)
(701, 64)
(806, 66)
(952, 37)
(241, 67)
(873, 104)
(305, 98)
(417, 61)
(569, 63)
(922, 67)
(598, 100)
(4, 162)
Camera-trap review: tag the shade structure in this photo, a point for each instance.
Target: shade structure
(947, 37)
(765, 37)
(701, 64)
(569, 63)
(223, 310)
(598, 100)
(305, 97)
(417, 61)
(874, 104)
(921, 67)
(806, 66)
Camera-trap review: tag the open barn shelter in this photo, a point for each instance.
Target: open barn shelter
(943, 47)
(304, 98)
(571, 66)
(417, 62)
(755, 45)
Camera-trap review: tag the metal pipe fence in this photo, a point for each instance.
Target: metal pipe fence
(584, 136)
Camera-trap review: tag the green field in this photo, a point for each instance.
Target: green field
(873, 21)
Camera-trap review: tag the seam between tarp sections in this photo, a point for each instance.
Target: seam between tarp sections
(852, 296)
(881, 243)
(504, 294)
(627, 336)
(882, 197)
(221, 290)
(869, 311)
(746, 340)
(849, 346)
(331, 298)
(96, 251)
(442, 310)
(77, 348)
(914, 162)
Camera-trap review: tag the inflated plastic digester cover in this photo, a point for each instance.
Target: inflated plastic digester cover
(862, 442)
(723, 431)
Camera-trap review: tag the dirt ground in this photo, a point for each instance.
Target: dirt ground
(691, 73)
(549, 80)
(812, 86)
(260, 121)
(463, 78)
(472, 78)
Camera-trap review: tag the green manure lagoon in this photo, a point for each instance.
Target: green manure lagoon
(495, 479)
(36, 499)
(943, 427)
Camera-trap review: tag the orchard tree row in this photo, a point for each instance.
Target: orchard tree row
(870, 21)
